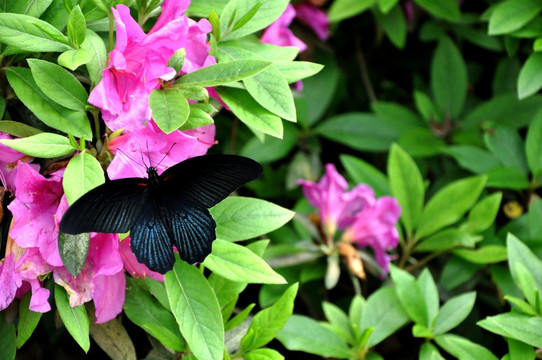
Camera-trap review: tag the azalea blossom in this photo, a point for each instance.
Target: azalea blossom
(363, 219)
(279, 33)
(138, 64)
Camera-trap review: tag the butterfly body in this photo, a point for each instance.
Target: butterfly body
(165, 210)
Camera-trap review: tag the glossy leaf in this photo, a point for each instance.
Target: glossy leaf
(44, 145)
(170, 109)
(82, 174)
(511, 15)
(74, 318)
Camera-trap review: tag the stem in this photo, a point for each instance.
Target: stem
(425, 260)
(365, 74)
(111, 30)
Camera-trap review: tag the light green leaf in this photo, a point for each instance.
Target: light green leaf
(237, 263)
(72, 59)
(82, 174)
(519, 253)
(463, 349)
(410, 295)
(443, 9)
(74, 318)
(473, 158)
(31, 34)
(446, 239)
(511, 15)
(297, 70)
(395, 26)
(427, 286)
(483, 214)
(170, 109)
(527, 329)
(530, 78)
(406, 186)
(76, 26)
(98, 55)
(487, 254)
(263, 354)
(58, 84)
(449, 204)
(48, 111)
(240, 218)
(533, 146)
(344, 9)
(453, 312)
(250, 112)
(449, 77)
(302, 333)
(196, 310)
(267, 323)
(44, 145)
(362, 172)
(27, 7)
(224, 73)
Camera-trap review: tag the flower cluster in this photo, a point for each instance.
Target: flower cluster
(136, 66)
(363, 219)
(279, 34)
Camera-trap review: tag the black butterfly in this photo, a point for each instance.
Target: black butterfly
(165, 210)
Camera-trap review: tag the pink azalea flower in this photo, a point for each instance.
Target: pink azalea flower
(374, 226)
(8, 163)
(314, 18)
(150, 141)
(334, 203)
(279, 34)
(138, 64)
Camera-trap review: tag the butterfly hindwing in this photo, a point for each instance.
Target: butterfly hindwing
(109, 208)
(150, 238)
(207, 180)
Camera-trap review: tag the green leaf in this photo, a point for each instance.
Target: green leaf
(73, 251)
(263, 354)
(17, 129)
(530, 80)
(406, 186)
(507, 178)
(507, 146)
(520, 351)
(343, 9)
(58, 84)
(512, 15)
(534, 216)
(224, 73)
(384, 314)
(362, 172)
(429, 352)
(527, 285)
(302, 333)
(339, 320)
(268, 12)
(392, 111)
(356, 309)
(271, 90)
(457, 271)
(519, 253)
(170, 109)
(488, 254)
(146, 312)
(483, 214)
(449, 204)
(196, 310)
(31, 34)
(271, 148)
(395, 26)
(44, 145)
(473, 158)
(427, 286)
(7, 340)
(76, 26)
(27, 7)
(72, 59)
(443, 9)
(48, 111)
(421, 142)
(449, 77)
(533, 146)
(527, 329)
(426, 106)
(410, 295)
(95, 46)
(225, 290)
(360, 131)
(505, 110)
(250, 112)
(240, 218)
(445, 239)
(239, 318)
(237, 263)
(82, 174)
(267, 323)
(453, 312)
(28, 320)
(463, 349)
(176, 60)
(294, 71)
(386, 5)
(74, 318)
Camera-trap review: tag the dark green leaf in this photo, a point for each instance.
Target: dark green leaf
(17, 129)
(533, 146)
(73, 251)
(28, 320)
(362, 172)
(7, 340)
(443, 9)
(507, 146)
(74, 318)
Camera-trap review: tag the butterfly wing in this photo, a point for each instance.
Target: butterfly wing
(206, 180)
(150, 238)
(109, 208)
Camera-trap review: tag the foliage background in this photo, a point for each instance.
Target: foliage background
(436, 104)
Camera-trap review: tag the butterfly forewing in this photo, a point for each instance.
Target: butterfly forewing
(207, 180)
(109, 208)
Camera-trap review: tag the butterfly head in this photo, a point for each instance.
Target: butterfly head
(153, 175)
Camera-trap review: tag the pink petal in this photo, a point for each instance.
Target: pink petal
(108, 296)
(315, 18)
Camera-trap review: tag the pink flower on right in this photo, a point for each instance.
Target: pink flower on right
(363, 219)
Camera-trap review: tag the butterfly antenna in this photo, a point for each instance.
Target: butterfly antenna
(129, 157)
(163, 157)
(149, 154)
